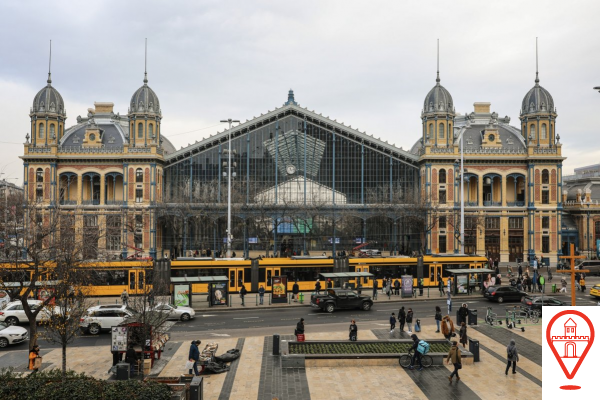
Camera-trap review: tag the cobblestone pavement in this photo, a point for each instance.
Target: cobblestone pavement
(258, 375)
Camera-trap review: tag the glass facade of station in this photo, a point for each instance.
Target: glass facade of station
(299, 184)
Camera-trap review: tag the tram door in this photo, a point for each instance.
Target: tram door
(136, 281)
(365, 281)
(236, 279)
(270, 273)
(434, 271)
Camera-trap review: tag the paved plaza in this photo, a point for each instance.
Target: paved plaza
(257, 373)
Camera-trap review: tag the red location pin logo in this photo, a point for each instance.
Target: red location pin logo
(568, 346)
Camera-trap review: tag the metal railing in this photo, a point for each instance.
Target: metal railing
(492, 203)
(515, 203)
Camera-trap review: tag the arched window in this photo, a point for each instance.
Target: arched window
(441, 131)
(39, 175)
(140, 131)
(139, 175)
(532, 131)
(442, 176)
(430, 131)
(150, 131)
(52, 132)
(543, 133)
(545, 177)
(42, 131)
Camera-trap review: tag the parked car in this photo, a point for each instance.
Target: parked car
(175, 312)
(10, 334)
(99, 319)
(504, 293)
(334, 299)
(13, 312)
(595, 291)
(591, 265)
(536, 302)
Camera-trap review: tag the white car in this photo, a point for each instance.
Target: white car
(14, 314)
(176, 312)
(101, 318)
(12, 334)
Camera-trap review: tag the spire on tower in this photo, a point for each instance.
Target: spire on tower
(438, 61)
(146, 61)
(50, 65)
(537, 79)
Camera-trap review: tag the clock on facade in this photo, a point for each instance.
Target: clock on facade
(491, 137)
(92, 137)
(290, 169)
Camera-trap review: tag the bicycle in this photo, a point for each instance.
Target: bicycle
(406, 359)
(490, 317)
(529, 314)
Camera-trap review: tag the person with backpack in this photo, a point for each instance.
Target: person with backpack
(396, 287)
(409, 320)
(417, 355)
(243, 292)
(353, 331)
(447, 327)
(438, 317)
(402, 318)
(454, 356)
(512, 356)
(392, 322)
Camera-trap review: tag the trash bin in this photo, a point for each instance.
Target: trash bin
(195, 392)
(301, 297)
(123, 369)
(474, 349)
(554, 288)
(472, 317)
(276, 344)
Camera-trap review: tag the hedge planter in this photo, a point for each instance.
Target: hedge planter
(339, 353)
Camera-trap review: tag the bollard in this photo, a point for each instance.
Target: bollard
(257, 300)
(276, 343)
(427, 291)
(289, 299)
(229, 300)
(270, 295)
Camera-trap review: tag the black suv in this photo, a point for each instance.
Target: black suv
(504, 293)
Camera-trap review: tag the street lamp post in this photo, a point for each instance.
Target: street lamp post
(229, 236)
(462, 197)
(588, 231)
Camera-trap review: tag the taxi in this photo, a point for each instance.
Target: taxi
(595, 291)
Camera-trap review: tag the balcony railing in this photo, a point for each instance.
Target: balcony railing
(114, 202)
(90, 202)
(492, 203)
(471, 204)
(515, 203)
(68, 202)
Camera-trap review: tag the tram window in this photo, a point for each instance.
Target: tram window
(304, 274)
(140, 280)
(107, 278)
(268, 278)
(132, 280)
(232, 278)
(262, 274)
(14, 276)
(240, 278)
(247, 275)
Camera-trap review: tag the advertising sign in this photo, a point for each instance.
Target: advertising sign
(279, 289)
(462, 281)
(182, 295)
(407, 285)
(218, 294)
(44, 293)
(119, 338)
(4, 298)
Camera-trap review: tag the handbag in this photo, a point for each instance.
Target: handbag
(189, 365)
(459, 366)
(37, 362)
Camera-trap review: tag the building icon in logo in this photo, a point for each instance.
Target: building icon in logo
(570, 341)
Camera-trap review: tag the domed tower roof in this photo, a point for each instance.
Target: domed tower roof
(48, 100)
(144, 100)
(438, 99)
(537, 100)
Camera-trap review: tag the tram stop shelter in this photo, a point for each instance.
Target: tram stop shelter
(352, 279)
(461, 278)
(182, 289)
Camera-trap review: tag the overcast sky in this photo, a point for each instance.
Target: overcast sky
(367, 64)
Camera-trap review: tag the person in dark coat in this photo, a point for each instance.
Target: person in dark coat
(440, 285)
(512, 356)
(409, 319)
(463, 313)
(392, 322)
(402, 318)
(295, 291)
(353, 330)
(438, 317)
(318, 287)
(396, 287)
(131, 358)
(463, 334)
(416, 354)
(299, 328)
(243, 292)
(520, 270)
(375, 285)
(261, 294)
(194, 356)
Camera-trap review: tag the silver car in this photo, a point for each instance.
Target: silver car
(175, 312)
(10, 334)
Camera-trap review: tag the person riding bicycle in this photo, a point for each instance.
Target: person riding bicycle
(416, 354)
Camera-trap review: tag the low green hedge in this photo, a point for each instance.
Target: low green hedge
(360, 348)
(49, 386)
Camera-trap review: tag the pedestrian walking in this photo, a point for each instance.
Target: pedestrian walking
(375, 286)
(243, 292)
(299, 328)
(577, 279)
(449, 303)
(295, 291)
(416, 353)
(194, 356)
(462, 333)
(520, 270)
(396, 287)
(512, 356)
(388, 288)
(447, 327)
(438, 317)
(318, 287)
(383, 285)
(402, 318)
(392, 322)
(449, 286)
(440, 285)
(353, 331)
(34, 353)
(499, 280)
(261, 295)
(563, 284)
(409, 320)
(463, 313)
(582, 283)
(454, 357)
(131, 358)
(125, 297)
(421, 284)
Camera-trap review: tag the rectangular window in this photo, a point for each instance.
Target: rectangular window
(442, 196)
(515, 223)
(139, 195)
(442, 247)
(492, 223)
(442, 222)
(545, 197)
(138, 233)
(39, 194)
(545, 222)
(90, 220)
(545, 244)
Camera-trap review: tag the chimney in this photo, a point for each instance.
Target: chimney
(588, 195)
(578, 199)
(564, 196)
(103, 108)
(482, 108)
